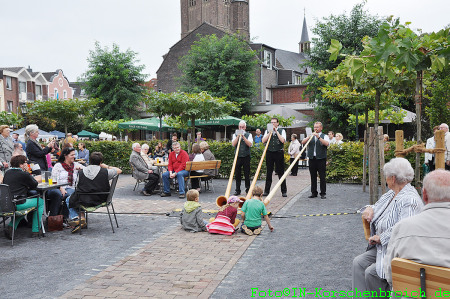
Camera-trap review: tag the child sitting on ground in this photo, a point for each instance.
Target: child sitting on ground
(225, 222)
(252, 210)
(191, 217)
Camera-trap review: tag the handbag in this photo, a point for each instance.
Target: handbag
(55, 223)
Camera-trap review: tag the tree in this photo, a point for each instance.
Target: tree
(108, 126)
(10, 119)
(349, 30)
(116, 80)
(222, 67)
(69, 114)
(261, 120)
(438, 109)
(188, 107)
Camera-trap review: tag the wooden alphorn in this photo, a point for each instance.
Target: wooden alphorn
(222, 200)
(286, 172)
(255, 178)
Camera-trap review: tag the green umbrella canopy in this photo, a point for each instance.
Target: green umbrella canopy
(87, 134)
(223, 121)
(150, 124)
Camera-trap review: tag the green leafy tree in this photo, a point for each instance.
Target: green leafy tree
(261, 120)
(115, 78)
(349, 30)
(438, 109)
(189, 107)
(223, 67)
(11, 119)
(68, 114)
(108, 126)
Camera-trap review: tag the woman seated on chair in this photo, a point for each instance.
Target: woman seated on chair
(159, 151)
(93, 178)
(196, 156)
(20, 181)
(64, 172)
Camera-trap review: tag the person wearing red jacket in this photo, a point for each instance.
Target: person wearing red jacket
(176, 168)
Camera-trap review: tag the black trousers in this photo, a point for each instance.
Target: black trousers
(195, 183)
(152, 182)
(242, 162)
(277, 159)
(318, 166)
(294, 170)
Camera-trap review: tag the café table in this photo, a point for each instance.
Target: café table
(161, 168)
(43, 188)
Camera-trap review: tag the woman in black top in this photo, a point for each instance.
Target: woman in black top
(35, 152)
(20, 182)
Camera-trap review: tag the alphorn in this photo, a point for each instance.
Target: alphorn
(272, 192)
(222, 200)
(255, 178)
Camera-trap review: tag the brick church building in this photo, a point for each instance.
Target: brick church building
(279, 75)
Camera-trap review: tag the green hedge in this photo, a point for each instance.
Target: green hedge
(345, 161)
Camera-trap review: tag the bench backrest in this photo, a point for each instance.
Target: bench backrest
(406, 277)
(201, 165)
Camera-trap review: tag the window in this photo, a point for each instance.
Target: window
(9, 106)
(298, 79)
(65, 94)
(55, 95)
(22, 86)
(268, 96)
(268, 59)
(38, 90)
(192, 2)
(8, 83)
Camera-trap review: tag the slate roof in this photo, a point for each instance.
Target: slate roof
(290, 60)
(305, 37)
(49, 76)
(12, 69)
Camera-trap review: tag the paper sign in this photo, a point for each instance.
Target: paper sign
(308, 131)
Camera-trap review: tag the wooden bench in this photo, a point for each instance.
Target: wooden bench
(411, 277)
(203, 165)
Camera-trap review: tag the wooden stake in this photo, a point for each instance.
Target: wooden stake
(381, 149)
(364, 178)
(373, 167)
(440, 143)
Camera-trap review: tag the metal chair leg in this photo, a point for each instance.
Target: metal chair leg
(114, 213)
(110, 220)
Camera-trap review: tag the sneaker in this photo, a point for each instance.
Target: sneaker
(312, 196)
(182, 195)
(76, 229)
(236, 193)
(257, 231)
(247, 230)
(74, 222)
(146, 193)
(284, 194)
(165, 194)
(323, 197)
(265, 194)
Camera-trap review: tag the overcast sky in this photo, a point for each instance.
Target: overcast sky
(55, 34)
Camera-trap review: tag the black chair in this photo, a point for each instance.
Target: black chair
(8, 207)
(106, 204)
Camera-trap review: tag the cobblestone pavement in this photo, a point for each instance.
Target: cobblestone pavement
(149, 256)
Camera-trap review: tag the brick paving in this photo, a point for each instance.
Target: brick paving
(178, 264)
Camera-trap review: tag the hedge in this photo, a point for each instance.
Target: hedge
(345, 161)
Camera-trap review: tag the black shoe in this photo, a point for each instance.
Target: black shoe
(146, 193)
(265, 194)
(165, 194)
(323, 196)
(284, 194)
(312, 196)
(236, 193)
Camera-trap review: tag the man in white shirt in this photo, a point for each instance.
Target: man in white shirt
(331, 137)
(444, 127)
(243, 160)
(431, 143)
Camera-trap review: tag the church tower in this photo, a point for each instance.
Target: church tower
(228, 15)
(305, 43)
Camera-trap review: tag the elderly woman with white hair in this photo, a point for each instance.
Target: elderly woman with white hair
(35, 152)
(401, 201)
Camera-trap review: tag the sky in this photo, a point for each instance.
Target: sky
(52, 34)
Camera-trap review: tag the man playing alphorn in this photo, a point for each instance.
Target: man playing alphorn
(275, 155)
(243, 160)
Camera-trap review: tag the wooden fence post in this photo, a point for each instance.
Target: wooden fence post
(364, 178)
(399, 143)
(381, 149)
(440, 143)
(373, 168)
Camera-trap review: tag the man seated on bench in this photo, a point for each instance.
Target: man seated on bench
(93, 178)
(141, 170)
(424, 238)
(176, 168)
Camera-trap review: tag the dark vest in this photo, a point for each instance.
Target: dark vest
(99, 184)
(244, 149)
(275, 144)
(321, 150)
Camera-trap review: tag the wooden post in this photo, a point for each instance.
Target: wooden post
(399, 143)
(364, 178)
(440, 143)
(381, 147)
(373, 167)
